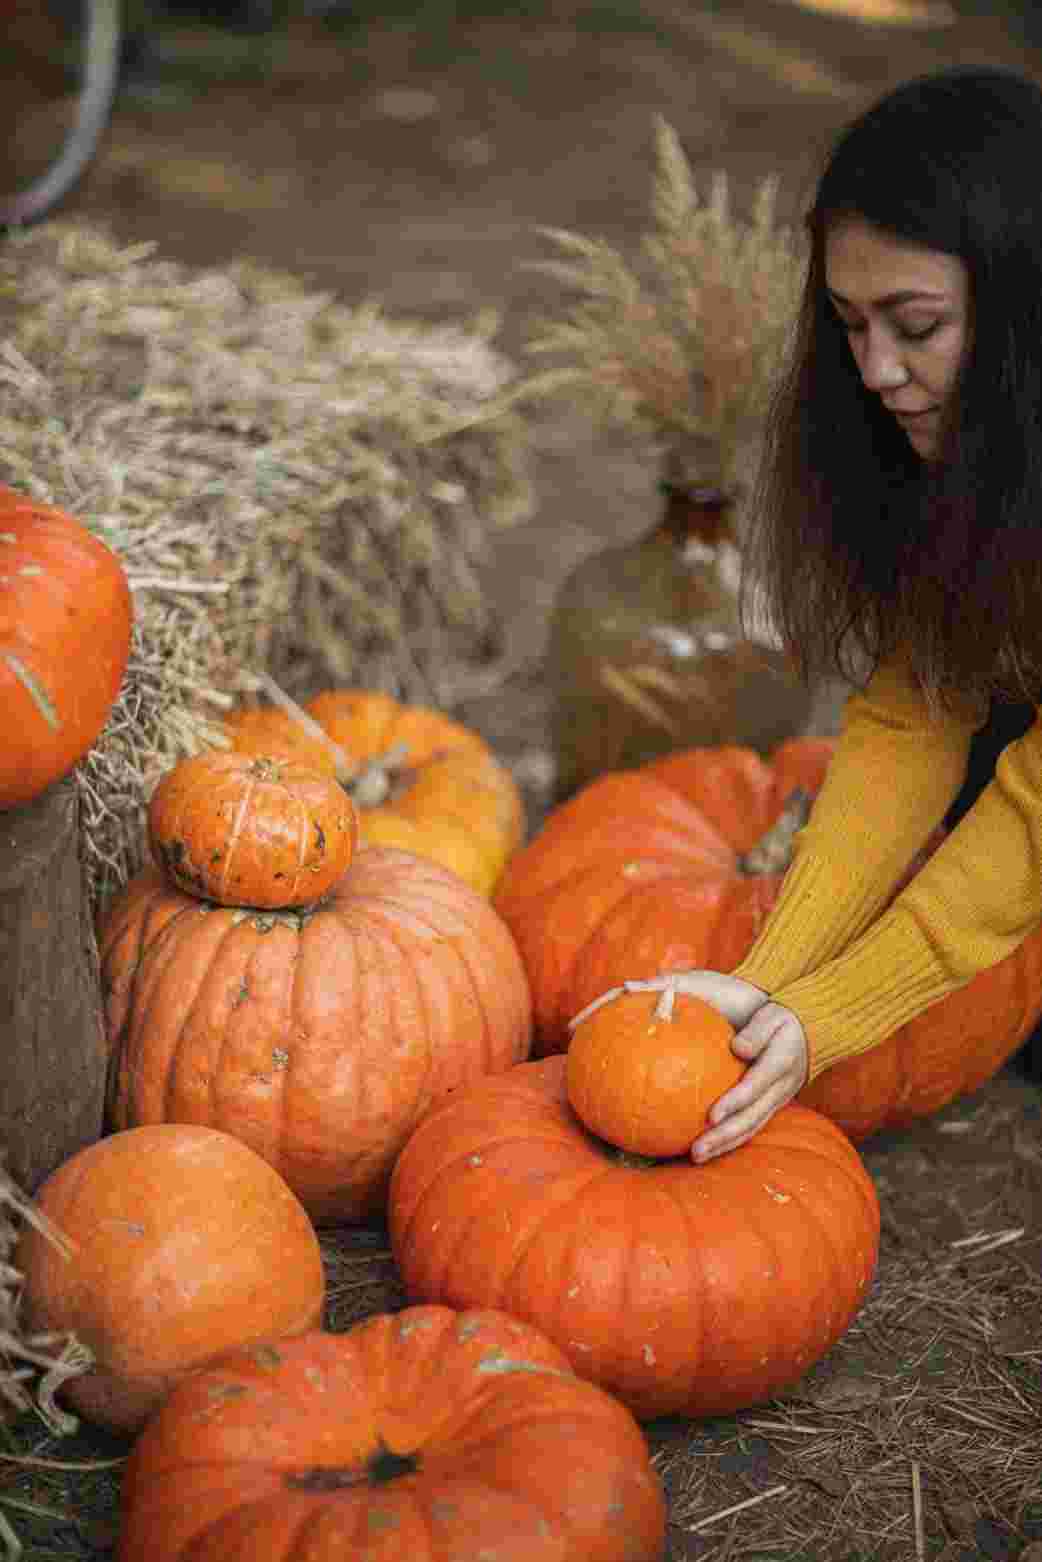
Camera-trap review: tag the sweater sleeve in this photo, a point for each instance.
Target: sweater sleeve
(978, 897)
(897, 767)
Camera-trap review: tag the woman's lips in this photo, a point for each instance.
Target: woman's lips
(912, 417)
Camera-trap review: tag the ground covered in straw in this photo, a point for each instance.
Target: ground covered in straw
(919, 1436)
(416, 165)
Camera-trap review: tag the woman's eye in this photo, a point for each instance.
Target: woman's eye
(917, 333)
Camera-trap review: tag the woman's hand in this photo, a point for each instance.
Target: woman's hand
(767, 1036)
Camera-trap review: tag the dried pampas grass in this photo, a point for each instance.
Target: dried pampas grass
(682, 343)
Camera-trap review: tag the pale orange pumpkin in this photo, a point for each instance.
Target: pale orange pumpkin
(184, 1243)
(419, 780)
(251, 829)
(644, 1068)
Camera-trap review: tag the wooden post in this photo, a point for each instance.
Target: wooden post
(52, 1038)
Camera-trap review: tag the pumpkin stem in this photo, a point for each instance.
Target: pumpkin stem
(346, 773)
(384, 1466)
(772, 853)
(372, 783)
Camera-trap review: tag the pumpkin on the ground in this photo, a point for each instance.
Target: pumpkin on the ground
(677, 864)
(643, 1069)
(420, 781)
(320, 1034)
(184, 1244)
(426, 1434)
(682, 1289)
(251, 829)
(66, 618)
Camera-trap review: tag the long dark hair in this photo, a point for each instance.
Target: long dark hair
(858, 548)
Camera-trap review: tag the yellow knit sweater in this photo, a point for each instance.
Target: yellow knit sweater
(851, 975)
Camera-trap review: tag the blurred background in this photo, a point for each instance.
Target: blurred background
(411, 152)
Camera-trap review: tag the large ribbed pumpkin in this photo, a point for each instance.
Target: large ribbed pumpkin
(419, 780)
(677, 864)
(317, 1035)
(683, 1289)
(422, 1436)
(65, 626)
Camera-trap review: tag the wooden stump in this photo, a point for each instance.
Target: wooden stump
(53, 1061)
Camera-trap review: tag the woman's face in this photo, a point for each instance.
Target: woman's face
(906, 314)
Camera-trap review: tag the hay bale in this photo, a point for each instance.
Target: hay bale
(294, 486)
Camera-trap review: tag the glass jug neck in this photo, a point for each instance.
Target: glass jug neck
(696, 512)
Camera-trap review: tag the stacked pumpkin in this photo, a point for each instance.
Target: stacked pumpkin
(563, 1193)
(273, 980)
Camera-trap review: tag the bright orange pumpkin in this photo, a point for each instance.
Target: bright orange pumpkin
(419, 780)
(251, 829)
(317, 1035)
(66, 617)
(683, 1289)
(644, 1069)
(184, 1244)
(677, 864)
(422, 1435)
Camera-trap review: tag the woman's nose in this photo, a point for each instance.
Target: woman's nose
(880, 363)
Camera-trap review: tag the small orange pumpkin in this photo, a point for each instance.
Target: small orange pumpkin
(419, 780)
(251, 829)
(185, 1243)
(426, 1434)
(643, 1069)
(66, 616)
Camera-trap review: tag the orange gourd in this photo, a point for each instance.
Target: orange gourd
(419, 780)
(66, 617)
(644, 1069)
(317, 1035)
(427, 1434)
(682, 1289)
(677, 864)
(184, 1243)
(251, 829)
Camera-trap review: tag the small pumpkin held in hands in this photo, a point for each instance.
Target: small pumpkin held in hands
(66, 618)
(184, 1244)
(251, 829)
(417, 1436)
(643, 1069)
(420, 781)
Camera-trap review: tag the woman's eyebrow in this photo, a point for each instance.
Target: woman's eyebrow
(906, 296)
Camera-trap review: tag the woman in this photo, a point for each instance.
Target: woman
(898, 538)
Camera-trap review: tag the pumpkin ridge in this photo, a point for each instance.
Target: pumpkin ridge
(544, 1221)
(150, 995)
(235, 831)
(812, 1206)
(451, 1169)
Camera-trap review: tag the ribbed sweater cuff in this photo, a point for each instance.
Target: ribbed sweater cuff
(820, 911)
(888, 977)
